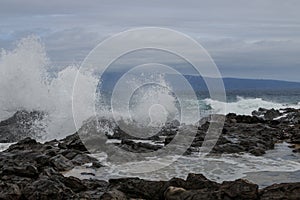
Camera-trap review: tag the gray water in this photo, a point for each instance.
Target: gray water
(276, 166)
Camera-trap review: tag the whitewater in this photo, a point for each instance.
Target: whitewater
(28, 83)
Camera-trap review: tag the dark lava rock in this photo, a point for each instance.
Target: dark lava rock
(228, 148)
(267, 114)
(61, 163)
(271, 114)
(114, 195)
(31, 170)
(21, 125)
(138, 188)
(138, 147)
(248, 119)
(281, 191)
(9, 191)
(252, 134)
(72, 142)
(196, 186)
(97, 165)
(296, 150)
(239, 189)
(257, 151)
(240, 134)
(45, 188)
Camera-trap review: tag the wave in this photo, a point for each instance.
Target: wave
(245, 106)
(27, 83)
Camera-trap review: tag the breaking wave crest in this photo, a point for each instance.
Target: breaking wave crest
(28, 84)
(245, 106)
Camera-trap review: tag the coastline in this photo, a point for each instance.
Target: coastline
(33, 170)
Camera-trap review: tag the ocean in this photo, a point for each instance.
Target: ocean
(276, 166)
(27, 83)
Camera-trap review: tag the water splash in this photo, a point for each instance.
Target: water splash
(245, 106)
(26, 85)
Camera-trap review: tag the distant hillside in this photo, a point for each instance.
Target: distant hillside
(197, 82)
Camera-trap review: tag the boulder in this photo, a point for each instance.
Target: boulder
(9, 191)
(21, 125)
(61, 163)
(281, 191)
(239, 189)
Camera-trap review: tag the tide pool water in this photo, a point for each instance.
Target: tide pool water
(276, 166)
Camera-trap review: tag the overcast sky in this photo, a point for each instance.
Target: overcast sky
(249, 39)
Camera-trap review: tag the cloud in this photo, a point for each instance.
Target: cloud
(70, 45)
(243, 37)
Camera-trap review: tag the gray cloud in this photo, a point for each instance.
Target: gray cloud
(253, 39)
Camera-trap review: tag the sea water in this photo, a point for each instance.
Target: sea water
(27, 83)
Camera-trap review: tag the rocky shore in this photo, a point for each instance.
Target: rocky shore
(32, 170)
(241, 133)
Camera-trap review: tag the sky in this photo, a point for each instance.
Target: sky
(247, 39)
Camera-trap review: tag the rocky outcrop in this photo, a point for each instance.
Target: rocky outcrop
(240, 133)
(252, 134)
(256, 134)
(21, 125)
(31, 170)
(196, 186)
(281, 191)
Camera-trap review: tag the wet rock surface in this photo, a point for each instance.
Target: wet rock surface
(32, 170)
(27, 172)
(196, 186)
(281, 191)
(240, 133)
(21, 125)
(254, 134)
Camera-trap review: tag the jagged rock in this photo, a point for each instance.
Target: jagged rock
(138, 147)
(266, 114)
(21, 125)
(38, 180)
(74, 183)
(95, 188)
(114, 195)
(31, 170)
(239, 189)
(281, 191)
(81, 159)
(196, 186)
(45, 188)
(24, 171)
(296, 150)
(9, 191)
(272, 114)
(61, 163)
(72, 142)
(138, 188)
